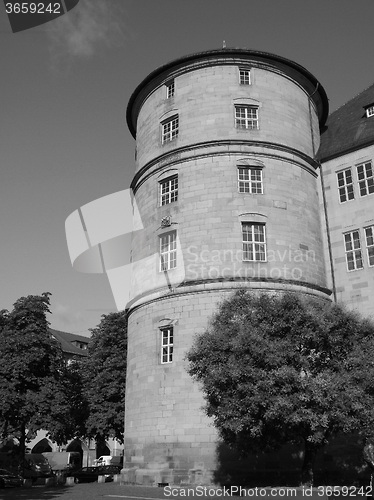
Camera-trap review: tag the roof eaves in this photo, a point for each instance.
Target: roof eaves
(346, 151)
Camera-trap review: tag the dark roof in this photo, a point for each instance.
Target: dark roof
(66, 341)
(227, 56)
(348, 128)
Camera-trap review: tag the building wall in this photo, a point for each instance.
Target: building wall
(165, 425)
(208, 217)
(355, 288)
(204, 99)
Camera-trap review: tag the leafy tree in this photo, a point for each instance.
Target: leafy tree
(30, 367)
(105, 377)
(68, 407)
(281, 369)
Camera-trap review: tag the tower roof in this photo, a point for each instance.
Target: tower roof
(348, 128)
(227, 56)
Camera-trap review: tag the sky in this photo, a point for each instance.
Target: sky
(65, 86)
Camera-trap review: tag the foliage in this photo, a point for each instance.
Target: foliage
(30, 368)
(105, 377)
(68, 407)
(281, 369)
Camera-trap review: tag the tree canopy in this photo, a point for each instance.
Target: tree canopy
(67, 404)
(40, 390)
(30, 368)
(105, 377)
(279, 369)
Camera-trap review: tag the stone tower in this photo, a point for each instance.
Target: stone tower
(226, 188)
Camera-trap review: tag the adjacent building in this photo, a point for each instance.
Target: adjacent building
(347, 201)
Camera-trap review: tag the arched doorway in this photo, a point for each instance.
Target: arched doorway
(42, 446)
(80, 446)
(102, 448)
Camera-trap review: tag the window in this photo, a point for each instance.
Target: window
(244, 76)
(254, 243)
(370, 111)
(168, 251)
(246, 117)
(170, 89)
(170, 129)
(369, 235)
(353, 252)
(345, 185)
(365, 178)
(250, 180)
(169, 190)
(81, 345)
(167, 345)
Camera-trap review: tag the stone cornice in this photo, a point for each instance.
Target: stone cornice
(226, 284)
(224, 147)
(270, 62)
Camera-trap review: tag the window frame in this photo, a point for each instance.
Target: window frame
(253, 121)
(173, 132)
(343, 189)
(370, 111)
(172, 193)
(250, 182)
(365, 182)
(369, 246)
(167, 348)
(253, 243)
(244, 76)
(169, 249)
(353, 251)
(170, 89)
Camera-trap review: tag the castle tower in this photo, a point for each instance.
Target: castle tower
(226, 188)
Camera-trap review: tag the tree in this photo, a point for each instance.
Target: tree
(67, 404)
(279, 369)
(30, 368)
(105, 377)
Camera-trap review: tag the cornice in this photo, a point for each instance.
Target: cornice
(227, 56)
(181, 155)
(226, 284)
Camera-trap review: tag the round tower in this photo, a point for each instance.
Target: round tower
(226, 190)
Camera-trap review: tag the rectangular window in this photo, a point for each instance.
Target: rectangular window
(168, 251)
(369, 235)
(167, 345)
(246, 117)
(370, 111)
(170, 129)
(244, 76)
(170, 89)
(254, 243)
(169, 190)
(250, 180)
(365, 178)
(345, 185)
(353, 252)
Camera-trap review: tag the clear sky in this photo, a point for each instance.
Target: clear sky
(64, 90)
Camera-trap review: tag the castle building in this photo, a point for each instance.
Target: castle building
(227, 185)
